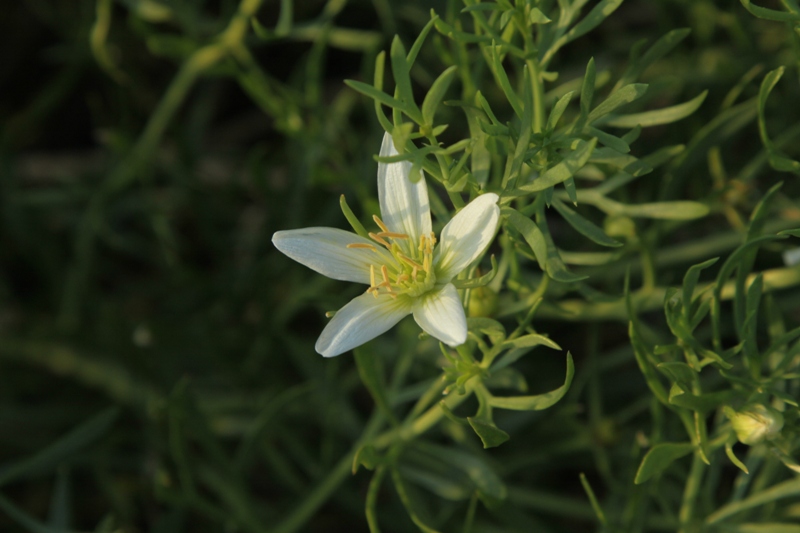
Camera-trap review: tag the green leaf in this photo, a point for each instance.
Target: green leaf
(545, 251)
(770, 14)
(777, 160)
(587, 93)
(785, 489)
(657, 117)
(402, 78)
(690, 280)
(660, 457)
(481, 281)
(762, 527)
(659, 49)
(612, 141)
(587, 24)
(537, 17)
(701, 403)
(491, 436)
(735, 460)
(408, 503)
(505, 85)
(564, 170)
(486, 480)
(539, 401)
(63, 448)
(521, 149)
(598, 511)
(378, 96)
(617, 99)
(31, 524)
(531, 233)
(584, 226)
(679, 373)
(371, 374)
(521, 346)
(420, 40)
(365, 456)
(558, 110)
(352, 219)
(680, 210)
(59, 515)
(436, 93)
(492, 328)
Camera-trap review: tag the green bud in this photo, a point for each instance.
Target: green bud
(482, 302)
(620, 226)
(755, 423)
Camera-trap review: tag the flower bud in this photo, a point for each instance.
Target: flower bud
(755, 423)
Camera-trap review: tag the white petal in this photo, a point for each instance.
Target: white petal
(325, 250)
(466, 236)
(441, 315)
(361, 320)
(404, 205)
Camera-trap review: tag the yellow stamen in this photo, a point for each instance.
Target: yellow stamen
(426, 263)
(371, 276)
(414, 274)
(411, 262)
(386, 283)
(403, 277)
(362, 245)
(392, 235)
(377, 239)
(380, 223)
(422, 240)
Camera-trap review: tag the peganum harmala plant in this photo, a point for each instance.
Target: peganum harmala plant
(596, 184)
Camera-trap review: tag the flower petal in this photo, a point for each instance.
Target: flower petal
(361, 320)
(466, 236)
(441, 315)
(325, 250)
(404, 205)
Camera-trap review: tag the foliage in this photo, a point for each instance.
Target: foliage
(633, 351)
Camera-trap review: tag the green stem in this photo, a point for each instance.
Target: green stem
(538, 95)
(407, 431)
(691, 493)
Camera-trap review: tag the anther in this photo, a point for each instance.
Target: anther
(386, 283)
(380, 223)
(371, 276)
(392, 235)
(362, 245)
(377, 239)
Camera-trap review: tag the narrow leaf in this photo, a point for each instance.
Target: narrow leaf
(660, 457)
(584, 226)
(537, 402)
(657, 117)
(491, 436)
(371, 374)
(770, 14)
(436, 93)
(617, 99)
(63, 448)
(563, 170)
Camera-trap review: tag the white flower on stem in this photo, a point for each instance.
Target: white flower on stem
(407, 273)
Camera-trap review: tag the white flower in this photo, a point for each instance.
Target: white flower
(405, 270)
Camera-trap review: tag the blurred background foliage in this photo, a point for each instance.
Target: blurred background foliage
(157, 370)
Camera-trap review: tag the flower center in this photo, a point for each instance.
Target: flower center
(410, 273)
